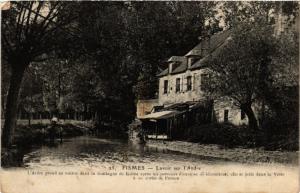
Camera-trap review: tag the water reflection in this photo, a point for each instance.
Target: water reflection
(90, 151)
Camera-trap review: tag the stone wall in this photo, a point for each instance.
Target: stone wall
(183, 95)
(234, 112)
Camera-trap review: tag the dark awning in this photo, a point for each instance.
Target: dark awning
(161, 115)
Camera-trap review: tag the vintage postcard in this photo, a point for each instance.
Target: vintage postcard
(149, 97)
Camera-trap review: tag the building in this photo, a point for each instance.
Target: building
(185, 80)
(182, 98)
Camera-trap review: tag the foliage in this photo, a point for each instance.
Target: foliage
(30, 30)
(249, 11)
(249, 63)
(128, 41)
(160, 30)
(230, 136)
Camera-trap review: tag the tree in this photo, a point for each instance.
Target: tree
(31, 98)
(241, 67)
(129, 41)
(159, 30)
(248, 64)
(5, 76)
(30, 29)
(282, 95)
(234, 12)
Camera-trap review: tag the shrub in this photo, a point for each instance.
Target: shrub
(229, 135)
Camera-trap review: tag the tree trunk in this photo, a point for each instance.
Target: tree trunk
(29, 119)
(253, 125)
(12, 104)
(85, 112)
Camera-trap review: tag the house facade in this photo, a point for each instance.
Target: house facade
(185, 79)
(184, 82)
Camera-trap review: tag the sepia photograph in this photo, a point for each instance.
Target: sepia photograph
(169, 96)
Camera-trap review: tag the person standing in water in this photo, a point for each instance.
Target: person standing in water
(54, 130)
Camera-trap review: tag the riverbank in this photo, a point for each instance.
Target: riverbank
(34, 135)
(25, 122)
(242, 155)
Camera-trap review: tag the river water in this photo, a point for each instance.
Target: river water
(76, 157)
(89, 151)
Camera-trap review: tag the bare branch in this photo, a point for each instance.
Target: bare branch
(20, 25)
(19, 16)
(30, 10)
(37, 12)
(50, 18)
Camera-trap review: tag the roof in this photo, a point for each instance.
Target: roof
(161, 115)
(199, 63)
(206, 48)
(179, 65)
(194, 52)
(181, 68)
(175, 109)
(163, 73)
(203, 62)
(176, 59)
(208, 45)
(179, 106)
(184, 106)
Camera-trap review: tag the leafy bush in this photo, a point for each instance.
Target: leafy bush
(36, 134)
(222, 134)
(229, 135)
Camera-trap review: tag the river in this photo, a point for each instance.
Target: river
(77, 157)
(89, 151)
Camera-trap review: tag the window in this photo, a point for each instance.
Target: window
(165, 86)
(243, 115)
(204, 81)
(189, 83)
(177, 85)
(194, 81)
(226, 112)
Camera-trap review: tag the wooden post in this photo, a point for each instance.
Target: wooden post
(170, 129)
(156, 129)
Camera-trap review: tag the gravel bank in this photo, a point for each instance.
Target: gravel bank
(231, 154)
